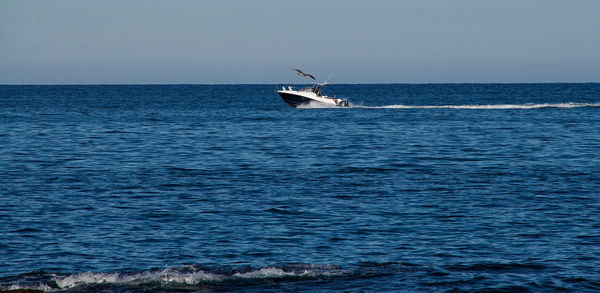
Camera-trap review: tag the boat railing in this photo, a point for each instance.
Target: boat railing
(314, 89)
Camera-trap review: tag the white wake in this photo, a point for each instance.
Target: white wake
(486, 107)
(186, 275)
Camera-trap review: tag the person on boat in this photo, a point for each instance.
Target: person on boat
(317, 90)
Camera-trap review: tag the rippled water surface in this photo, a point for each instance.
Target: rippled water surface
(225, 188)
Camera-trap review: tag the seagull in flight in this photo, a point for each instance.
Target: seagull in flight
(303, 74)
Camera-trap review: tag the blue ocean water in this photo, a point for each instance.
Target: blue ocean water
(433, 187)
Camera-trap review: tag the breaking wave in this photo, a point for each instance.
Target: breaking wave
(500, 276)
(173, 277)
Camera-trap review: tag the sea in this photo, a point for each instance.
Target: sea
(225, 188)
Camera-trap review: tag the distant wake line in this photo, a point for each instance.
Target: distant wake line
(485, 107)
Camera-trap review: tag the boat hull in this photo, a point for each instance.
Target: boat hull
(295, 100)
(304, 98)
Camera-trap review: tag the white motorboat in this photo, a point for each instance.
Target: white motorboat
(311, 95)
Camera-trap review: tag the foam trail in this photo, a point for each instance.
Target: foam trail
(487, 107)
(173, 277)
(316, 105)
(166, 275)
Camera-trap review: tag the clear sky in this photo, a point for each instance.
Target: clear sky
(243, 41)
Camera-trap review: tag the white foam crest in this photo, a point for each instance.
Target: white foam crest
(488, 107)
(87, 278)
(316, 105)
(270, 272)
(189, 278)
(166, 275)
(175, 276)
(16, 287)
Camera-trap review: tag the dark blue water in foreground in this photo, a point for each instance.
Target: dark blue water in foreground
(200, 188)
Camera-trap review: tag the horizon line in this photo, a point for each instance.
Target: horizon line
(360, 83)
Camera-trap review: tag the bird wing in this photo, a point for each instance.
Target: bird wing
(303, 74)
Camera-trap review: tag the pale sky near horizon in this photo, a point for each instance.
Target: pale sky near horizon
(239, 41)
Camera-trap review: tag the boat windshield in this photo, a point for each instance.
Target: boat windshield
(315, 89)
